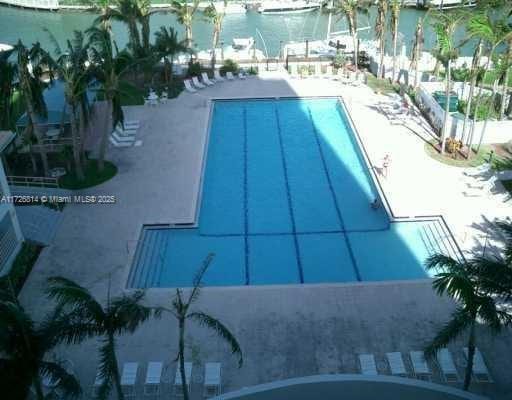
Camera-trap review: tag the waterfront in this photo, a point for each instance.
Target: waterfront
(29, 25)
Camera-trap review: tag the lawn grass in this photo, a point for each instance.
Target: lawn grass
(92, 176)
(474, 161)
(381, 85)
(21, 267)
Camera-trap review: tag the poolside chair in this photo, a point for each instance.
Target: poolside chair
(480, 371)
(478, 171)
(218, 77)
(178, 388)
(396, 364)
(242, 75)
(212, 380)
(478, 189)
(367, 364)
(115, 143)
(128, 378)
(230, 76)
(124, 132)
(188, 86)
(197, 84)
(207, 80)
(153, 378)
(420, 367)
(447, 366)
(120, 138)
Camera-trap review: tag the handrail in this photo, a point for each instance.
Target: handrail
(39, 181)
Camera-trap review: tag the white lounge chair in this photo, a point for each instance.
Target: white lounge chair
(242, 75)
(178, 388)
(480, 371)
(128, 378)
(218, 77)
(115, 143)
(478, 171)
(367, 364)
(124, 132)
(212, 380)
(447, 366)
(479, 188)
(153, 379)
(396, 364)
(207, 80)
(197, 84)
(131, 124)
(120, 138)
(419, 366)
(188, 86)
(230, 76)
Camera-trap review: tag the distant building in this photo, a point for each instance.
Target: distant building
(11, 238)
(36, 4)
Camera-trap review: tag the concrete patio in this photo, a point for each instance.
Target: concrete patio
(285, 331)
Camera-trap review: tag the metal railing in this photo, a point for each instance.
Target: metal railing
(37, 181)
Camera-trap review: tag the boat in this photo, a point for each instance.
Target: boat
(287, 7)
(241, 49)
(5, 50)
(449, 4)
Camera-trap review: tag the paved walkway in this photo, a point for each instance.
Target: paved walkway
(285, 331)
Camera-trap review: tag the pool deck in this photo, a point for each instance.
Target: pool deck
(285, 331)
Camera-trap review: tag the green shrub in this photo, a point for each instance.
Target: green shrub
(229, 66)
(252, 71)
(339, 61)
(194, 69)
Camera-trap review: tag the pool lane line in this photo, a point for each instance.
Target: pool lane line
(333, 194)
(160, 273)
(246, 201)
(288, 196)
(298, 233)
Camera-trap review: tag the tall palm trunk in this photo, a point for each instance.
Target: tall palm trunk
(417, 51)
(353, 31)
(82, 133)
(506, 79)
(181, 358)
(395, 43)
(104, 136)
(382, 48)
(471, 354)
(491, 105)
(76, 145)
(145, 31)
(39, 136)
(215, 43)
(116, 375)
(444, 131)
(474, 69)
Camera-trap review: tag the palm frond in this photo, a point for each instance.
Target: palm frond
(459, 321)
(198, 278)
(126, 314)
(63, 381)
(221, 330)
(107, 368)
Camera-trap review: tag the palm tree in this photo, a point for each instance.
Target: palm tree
(71, 67)
(128, 12)
(493, 33)
(145, 12)
(104, 8)
(381, 23)
(506, 77)
(396, 6)
(417, 48)
(7, 74)
(168, 46)
(181, 310)
(458, 280)
(84, 317)
(216, 18)
(444, 25)
(349, 9)
(185, 15)
(24, 350)
(108, 67)
(31, 65)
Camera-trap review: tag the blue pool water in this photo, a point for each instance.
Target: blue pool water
(286, 200)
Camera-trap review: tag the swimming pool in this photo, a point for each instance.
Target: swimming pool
(286, 200)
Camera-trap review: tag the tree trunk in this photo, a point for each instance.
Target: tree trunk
(76, 145)
(484, 127)
(505, 81)
(182, 358)
(104, 136)
(215, 42)
(395, 43)
(353, 30)
(474, 68)
(444, 131)
(82, 135)
(471, 354)
(117, 375)
(381, 72)
(188, 34)
(146, 35)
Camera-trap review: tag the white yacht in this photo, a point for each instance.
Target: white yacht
(241, 49)
(288, 7)
(448, 4)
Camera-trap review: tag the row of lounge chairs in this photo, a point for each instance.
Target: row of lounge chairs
(345, 77)
(420, 369)
(193, 84)
(124, 135)
(479, 181)
(153, 380)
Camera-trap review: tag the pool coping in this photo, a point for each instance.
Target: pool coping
(371, 172)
